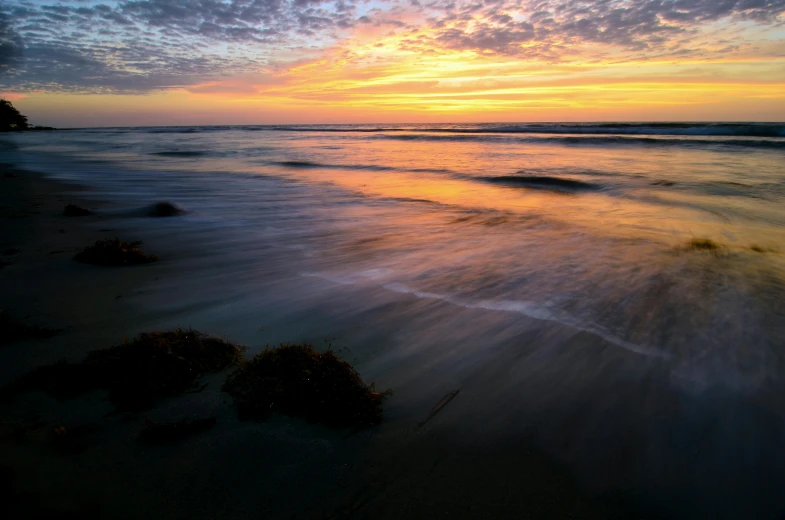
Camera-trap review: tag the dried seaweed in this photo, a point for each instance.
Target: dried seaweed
(137, 374)
(72, 210)
(12, 330)
(114, 252)
(297, 380)
(165, 209)
(164, 433)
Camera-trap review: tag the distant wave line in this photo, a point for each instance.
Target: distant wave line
(760, 130)
(372, 167)
(593, 140)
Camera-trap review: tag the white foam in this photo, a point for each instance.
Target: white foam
(544, 313)
(334, 279)
(402, 288)
(530, 309)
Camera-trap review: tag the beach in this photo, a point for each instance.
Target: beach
(605, 316)
(281, 469)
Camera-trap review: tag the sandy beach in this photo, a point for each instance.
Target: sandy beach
(597, 343)
(283, 468)
(386, 260)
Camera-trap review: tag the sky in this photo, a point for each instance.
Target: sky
(72, 63)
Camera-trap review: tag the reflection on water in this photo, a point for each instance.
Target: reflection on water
(580, 314)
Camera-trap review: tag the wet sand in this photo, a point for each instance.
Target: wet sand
(468, 461)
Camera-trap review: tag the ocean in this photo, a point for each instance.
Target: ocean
(616, 291)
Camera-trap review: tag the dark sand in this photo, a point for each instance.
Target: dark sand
(283, 468)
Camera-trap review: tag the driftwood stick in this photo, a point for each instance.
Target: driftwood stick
(441, 404)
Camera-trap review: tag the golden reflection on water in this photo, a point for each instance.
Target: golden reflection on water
(664, 194)
(640, 196)
(587, 305)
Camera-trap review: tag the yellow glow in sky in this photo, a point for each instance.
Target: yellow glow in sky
(381, 74)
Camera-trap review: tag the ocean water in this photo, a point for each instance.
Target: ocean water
(550, 269)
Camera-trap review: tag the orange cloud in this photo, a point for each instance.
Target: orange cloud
(12, 96)
(463, 69)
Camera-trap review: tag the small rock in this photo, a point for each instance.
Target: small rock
(165, 209)
(71, 210)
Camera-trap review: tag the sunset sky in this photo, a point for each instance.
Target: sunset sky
(154, 62)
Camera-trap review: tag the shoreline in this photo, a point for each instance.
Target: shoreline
(41, 280)
(393, 471)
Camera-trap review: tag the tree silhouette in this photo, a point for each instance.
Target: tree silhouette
(10, 118)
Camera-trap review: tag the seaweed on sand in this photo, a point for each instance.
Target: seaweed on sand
(705, 245)
(165, 209)
(298, 380)
(164, 433)
(72, 210)
(139, 373)
(74, 439)
(14, 330)
(112, 251)
(62, 380)
(158, 365)
(763, 250)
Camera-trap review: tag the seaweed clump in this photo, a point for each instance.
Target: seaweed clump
(165, 209)
(112, 252)
(138, 373)
(705, 244)
(62, 380)
(12, 330)
(158, 365)
(72, 210)
(74, 439)
(297, 380)
(763, 250)
(164, 433)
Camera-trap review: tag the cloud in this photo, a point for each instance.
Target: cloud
(231, 21)
(11, 45)
(146, 45)
(510, 27)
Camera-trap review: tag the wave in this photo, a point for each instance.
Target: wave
(590, 140)
(690, 129)
(309, 164)
(300, 164)
(536, 311)
(530, 309)
(181, 153)
(665, 141)
(665, 129)
(174, 130)
(371, 167)
(409, 200)
(543, 182)
(728, 136)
